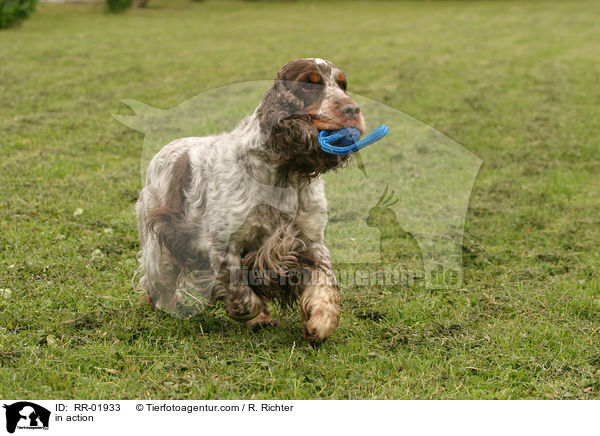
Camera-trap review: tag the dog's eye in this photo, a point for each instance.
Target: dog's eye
(343, 84)
(307, 86)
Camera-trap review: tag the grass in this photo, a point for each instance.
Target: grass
(514, 82)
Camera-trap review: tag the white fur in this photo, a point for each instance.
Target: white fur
(236, 192)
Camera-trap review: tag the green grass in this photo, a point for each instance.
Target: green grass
(514, 82)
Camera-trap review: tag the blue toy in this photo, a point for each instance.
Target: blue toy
(347, 140)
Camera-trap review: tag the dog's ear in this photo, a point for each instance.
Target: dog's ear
(278, 103)
(294, 141)
(294, 134)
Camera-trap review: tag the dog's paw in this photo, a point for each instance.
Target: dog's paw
(261, 321)
(146, 299)
(244, 306)
(320, 326)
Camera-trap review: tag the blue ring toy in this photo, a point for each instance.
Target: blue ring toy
(344, 141)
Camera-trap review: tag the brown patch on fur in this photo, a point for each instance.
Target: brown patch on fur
(287, 117)
(282, 266)
(302, 69)
(284, 108)
(326, 124)
(287, 97)
(294, 141)
(331, 117)
(167, 221)
(342, 81)
(280, 252)
(243, 304)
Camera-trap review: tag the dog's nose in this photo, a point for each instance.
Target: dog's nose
(351, 110)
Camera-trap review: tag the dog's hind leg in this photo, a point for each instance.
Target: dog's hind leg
(160, 277)
(160, 272)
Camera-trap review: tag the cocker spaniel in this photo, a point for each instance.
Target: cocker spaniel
(251, 200)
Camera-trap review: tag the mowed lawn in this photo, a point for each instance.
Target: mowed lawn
(517, 83)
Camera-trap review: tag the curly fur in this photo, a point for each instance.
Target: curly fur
(294, 142)
(251, 198)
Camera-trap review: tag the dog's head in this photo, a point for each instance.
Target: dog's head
(308, 95)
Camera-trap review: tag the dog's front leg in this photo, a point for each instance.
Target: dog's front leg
(320, 300)
(241, 303)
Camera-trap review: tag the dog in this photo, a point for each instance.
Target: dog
(251, 200)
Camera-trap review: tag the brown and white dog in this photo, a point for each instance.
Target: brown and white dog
(251, 200)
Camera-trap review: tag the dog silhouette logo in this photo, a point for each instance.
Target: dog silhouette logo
(26, 415)
(430, 175)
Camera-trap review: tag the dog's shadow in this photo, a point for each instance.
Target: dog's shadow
(213, 324)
